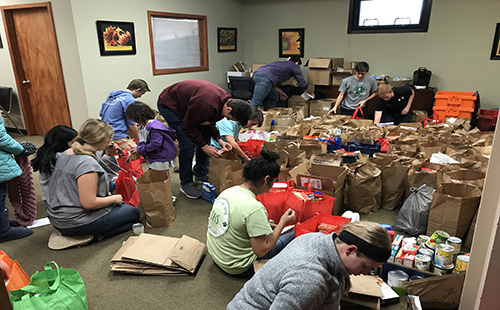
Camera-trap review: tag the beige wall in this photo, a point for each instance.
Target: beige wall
(67, 40)
(104, 74)
(456, 49)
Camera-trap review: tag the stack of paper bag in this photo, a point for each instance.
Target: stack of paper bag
(370, 292)
(158, 255)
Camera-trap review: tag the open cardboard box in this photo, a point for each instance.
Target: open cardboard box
(325, 178)
(320, 70)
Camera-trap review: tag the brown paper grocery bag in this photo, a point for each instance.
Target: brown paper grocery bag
(452, 208)
(463, 176)
(417, 178)
(440, 292)
(187, 253)
(394, 177)
(156, 198)
(217, 165)
(230, 176)
(429, 148)
(266, 122)
(363, 188)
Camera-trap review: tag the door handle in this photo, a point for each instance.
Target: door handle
(26, 81)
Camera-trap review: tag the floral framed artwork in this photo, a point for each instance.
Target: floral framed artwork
(495, 50)
(116, 38)
(291, 42)
(226, 39)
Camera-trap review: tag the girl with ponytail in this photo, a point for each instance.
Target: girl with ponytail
(238, 230)
(79, 203)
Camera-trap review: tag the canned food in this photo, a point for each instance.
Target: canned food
(444, 255)
(137, 229)
(422, 239)
(462, 263)
(426, 251)
(423, 262)
(437, 237)
(415, 278)
(456, 243)
(440, 270)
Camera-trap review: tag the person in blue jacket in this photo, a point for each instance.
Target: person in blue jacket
(9, 170)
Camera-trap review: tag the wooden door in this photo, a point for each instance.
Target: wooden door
(37, 66)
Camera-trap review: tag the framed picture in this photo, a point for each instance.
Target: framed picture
(226, 39)
(116, 38)
(495, 50)
(291, 42)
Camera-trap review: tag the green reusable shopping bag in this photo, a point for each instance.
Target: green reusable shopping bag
(58, 288)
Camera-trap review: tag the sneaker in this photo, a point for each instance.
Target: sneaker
(191, 191)
(60, 242)
(174, 198)
(176, 169)
(199, 180)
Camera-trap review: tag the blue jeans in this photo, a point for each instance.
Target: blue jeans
(395, 118)
(187, 148)
(282, 242)
(263, 89)
(119, 220)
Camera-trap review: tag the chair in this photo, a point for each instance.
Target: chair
(241, 87)
(6, 104)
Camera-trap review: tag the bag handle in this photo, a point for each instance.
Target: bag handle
(30, 288)
(355, 114)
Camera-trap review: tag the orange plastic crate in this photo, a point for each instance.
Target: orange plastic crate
(456, 99)
(311, 225)
(442, 113)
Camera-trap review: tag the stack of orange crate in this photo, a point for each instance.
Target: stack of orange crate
(459, 104)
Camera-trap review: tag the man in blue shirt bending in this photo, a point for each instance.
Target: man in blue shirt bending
(267, 78)
(113, 112)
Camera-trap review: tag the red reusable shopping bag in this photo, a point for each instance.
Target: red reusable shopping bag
(134, 166)
(251, 147)
(277, 202)
(126, 186)
(384, 144)
(14, 276)
(355, 114)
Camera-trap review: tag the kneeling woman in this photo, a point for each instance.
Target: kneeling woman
(79, 202)
(238, 230)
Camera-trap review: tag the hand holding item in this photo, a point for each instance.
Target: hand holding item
(288, 218)
(211, 151)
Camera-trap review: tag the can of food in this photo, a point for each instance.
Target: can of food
(415, 278)
(426, 251)
(456, 243)
(462, 263)
(444, 255)
(440, 270)
(422, 239)
(423, 262)
(437, 237)
(137, 229)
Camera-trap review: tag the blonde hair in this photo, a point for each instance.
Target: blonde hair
(383, 89)
(370, 232)
(92, 132)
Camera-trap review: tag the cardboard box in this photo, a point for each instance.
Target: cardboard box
(208, 192)
(320, 107)
(337, 77)
(296, 102)
(320, 70)
(255, 67)
(350, 65)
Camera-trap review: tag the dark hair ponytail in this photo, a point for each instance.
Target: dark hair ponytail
(262, 166)
(56, 140)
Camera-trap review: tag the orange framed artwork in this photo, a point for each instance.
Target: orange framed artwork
(291, 42)
(116, 38)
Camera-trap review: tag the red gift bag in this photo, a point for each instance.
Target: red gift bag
(251, 147)
(277, 202)
(134, 166)
(355, 114)
(126, 186)
(321, 203)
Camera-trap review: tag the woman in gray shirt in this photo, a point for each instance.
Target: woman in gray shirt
(79, 203)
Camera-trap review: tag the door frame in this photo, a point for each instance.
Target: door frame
(22, 91)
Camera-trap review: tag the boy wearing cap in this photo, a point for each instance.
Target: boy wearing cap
(312, 272)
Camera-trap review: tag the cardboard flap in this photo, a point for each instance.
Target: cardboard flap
(319, 63)
(187, 253)
(441, 292)
(365, 285)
